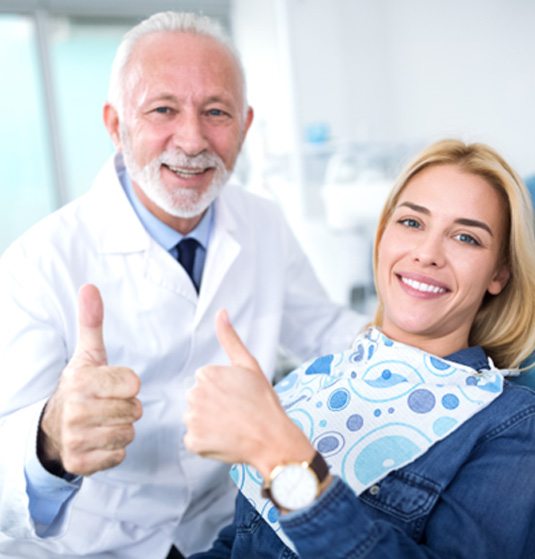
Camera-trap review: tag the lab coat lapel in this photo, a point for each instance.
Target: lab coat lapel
(117, 229)
(223, 250)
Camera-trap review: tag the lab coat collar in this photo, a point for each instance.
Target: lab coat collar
(118, 229)
(223, 250)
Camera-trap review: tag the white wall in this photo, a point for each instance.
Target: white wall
(467, 68)
(259, 32)
(342, 69)
(415, 70)
(395, 70)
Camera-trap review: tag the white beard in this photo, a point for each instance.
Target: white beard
(178, 202)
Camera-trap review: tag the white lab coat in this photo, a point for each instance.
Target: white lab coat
(156, 325)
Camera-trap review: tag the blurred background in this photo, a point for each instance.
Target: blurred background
(344, 92)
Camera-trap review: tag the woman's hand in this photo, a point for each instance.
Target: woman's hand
(234, 415)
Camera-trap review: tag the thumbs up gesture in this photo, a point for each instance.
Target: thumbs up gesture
(88, 421)
(234, 415)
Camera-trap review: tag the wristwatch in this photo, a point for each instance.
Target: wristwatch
(296, 485)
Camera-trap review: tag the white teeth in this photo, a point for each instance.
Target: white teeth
(187, 172)
(425, 287)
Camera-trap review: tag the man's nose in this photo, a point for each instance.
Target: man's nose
(189, 134)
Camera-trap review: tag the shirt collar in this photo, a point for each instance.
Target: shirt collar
(474, 357)
(164, 235)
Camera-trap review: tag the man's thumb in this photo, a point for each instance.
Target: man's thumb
(231, 343)
(90, 348)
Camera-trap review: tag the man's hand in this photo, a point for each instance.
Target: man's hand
(88, 421)
(234, 415)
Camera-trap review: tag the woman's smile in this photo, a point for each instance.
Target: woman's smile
(439, 256)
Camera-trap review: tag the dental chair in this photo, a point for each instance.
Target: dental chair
(528, 378)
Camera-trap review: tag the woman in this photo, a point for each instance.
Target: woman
(431, 452)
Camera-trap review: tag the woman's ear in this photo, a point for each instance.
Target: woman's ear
(499, 281)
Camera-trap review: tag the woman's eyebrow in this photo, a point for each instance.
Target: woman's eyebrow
(415, 207)
(474, 223)
(461, 220)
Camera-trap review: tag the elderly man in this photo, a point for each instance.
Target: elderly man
(102, 329)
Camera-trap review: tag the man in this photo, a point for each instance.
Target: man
(93, 377)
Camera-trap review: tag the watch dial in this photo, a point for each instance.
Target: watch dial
(294, 487)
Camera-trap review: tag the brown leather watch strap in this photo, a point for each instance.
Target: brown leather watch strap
(319, 467)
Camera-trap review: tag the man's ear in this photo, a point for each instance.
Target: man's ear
(248, 121)
(112, 123)
(499, 281)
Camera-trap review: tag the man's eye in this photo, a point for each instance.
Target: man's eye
(162, 110)
(216, 112)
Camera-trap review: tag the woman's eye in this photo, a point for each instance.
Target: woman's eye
(468, 239)
(409, 222)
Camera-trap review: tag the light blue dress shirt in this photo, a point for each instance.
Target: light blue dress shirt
(49, 493)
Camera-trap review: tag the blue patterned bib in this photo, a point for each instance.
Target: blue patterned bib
(374, 409)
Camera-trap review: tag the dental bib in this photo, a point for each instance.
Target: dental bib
(373, 409)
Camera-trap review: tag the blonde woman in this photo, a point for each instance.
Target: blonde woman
(412, 443)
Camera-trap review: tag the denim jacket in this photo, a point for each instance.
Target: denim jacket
(470, 495)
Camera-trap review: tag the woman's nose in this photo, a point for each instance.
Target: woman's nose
(430, 251)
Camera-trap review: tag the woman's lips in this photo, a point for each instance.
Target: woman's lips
(423, 286)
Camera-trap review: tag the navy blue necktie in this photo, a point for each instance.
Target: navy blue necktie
(186, 256)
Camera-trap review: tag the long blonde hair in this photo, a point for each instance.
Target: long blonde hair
(504, 325)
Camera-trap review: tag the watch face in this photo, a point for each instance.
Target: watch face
(294, 487)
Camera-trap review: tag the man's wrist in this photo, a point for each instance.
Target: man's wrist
(48, 455)
(51, 465)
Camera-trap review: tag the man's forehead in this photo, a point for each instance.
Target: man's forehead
(169, 52)
(180, 47)
(189, 66)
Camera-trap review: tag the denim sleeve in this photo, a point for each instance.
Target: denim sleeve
(337, 526)
(486, 511)
(222, 547)
(47, 493)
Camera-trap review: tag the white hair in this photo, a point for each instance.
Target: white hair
(180, 22)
